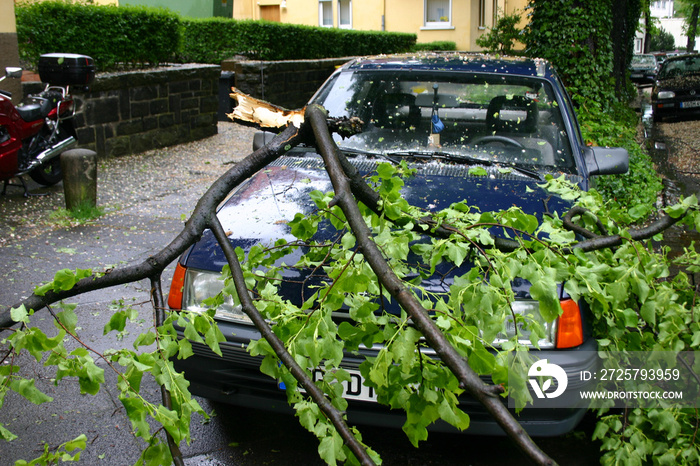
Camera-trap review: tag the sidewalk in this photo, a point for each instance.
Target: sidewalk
(146, 198)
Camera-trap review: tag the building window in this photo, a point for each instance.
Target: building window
(438, 13)
(325, 13)
(482, 13)
(345, 14)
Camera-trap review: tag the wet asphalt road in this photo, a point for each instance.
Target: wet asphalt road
(146, 198)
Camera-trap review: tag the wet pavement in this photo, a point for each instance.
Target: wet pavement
(146, 198)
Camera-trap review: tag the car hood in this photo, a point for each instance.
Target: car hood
(260, 209)
(680, 83)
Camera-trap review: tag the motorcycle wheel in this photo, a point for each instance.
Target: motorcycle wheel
(49, 173)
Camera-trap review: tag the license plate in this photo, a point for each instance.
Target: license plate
(352, 390)
(691, 104)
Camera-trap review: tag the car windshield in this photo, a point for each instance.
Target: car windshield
(494, 118)
(680, 67)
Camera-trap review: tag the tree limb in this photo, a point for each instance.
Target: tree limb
(434, 336)
(287, 359)
(194, 227)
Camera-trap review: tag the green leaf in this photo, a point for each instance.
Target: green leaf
(64, 280)
(481, 360)
(331, 448)
(478, 171)
(116, 323)
(26, 388)
(453, 415)
(6, 434)
(20, 314)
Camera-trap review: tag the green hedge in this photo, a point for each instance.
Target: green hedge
(117, 37)
(437, 46)
(112, 36)
(214, 39)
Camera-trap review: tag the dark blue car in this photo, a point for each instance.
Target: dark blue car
(476, 128)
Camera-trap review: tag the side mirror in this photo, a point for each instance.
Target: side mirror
(260, 138)
(13, 72)
(606, 160)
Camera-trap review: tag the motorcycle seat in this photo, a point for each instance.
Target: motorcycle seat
(36, 109)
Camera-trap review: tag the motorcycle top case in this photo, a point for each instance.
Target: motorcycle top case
(66, 69)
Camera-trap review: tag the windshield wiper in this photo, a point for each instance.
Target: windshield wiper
(452, 157)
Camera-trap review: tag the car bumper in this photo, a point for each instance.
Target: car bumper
(642, 78)
(689, 106)
(235, 378)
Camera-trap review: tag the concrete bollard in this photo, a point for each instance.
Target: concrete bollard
(79, 167)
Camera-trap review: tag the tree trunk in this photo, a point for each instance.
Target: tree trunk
(619, 41)
(692, 28)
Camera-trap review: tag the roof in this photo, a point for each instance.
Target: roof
(455, 61)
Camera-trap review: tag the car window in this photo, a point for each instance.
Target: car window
(643, 60)
(492, 117)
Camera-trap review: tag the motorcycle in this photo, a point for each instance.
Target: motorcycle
(36, 132)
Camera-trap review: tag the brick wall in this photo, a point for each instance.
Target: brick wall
(289, 84)
(131, 112)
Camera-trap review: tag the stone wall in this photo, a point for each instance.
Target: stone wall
(289, 84)
(131, 112)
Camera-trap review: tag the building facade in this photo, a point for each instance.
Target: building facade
(458, 21)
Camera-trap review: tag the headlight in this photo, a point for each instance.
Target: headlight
(200, 286)
(666, 95)
(530, 313)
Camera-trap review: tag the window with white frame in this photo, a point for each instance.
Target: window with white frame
(345, 13)
(325, 13)
(438, 13)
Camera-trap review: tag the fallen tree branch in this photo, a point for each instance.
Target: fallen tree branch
(287, 359)
(193, 229)
(485, 394)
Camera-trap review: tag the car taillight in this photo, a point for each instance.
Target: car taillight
(570, 327)
(178, 283)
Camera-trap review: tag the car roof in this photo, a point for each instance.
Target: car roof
(683, 56)
(456, 61)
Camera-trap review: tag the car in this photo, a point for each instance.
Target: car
(676, 92)
(474, 127)
(643, 68)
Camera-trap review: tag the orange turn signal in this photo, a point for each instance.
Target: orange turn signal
(570, 328)
(178, 283)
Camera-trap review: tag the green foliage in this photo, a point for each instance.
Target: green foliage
(662, 41)
(436, 46)
(634, 192)
(112, 36)
(577, 43)
(621, 287)
(151, 355)
(502, 37)
(635, 304)
(214, 39)
(60, 454)
(126, 36)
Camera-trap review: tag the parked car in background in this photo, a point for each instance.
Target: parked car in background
(643, 68)
(676, 92)
(660, 57)
(476, 128)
